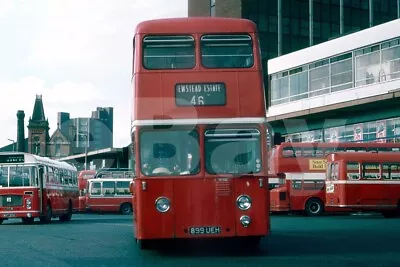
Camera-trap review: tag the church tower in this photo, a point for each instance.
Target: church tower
(38, 129)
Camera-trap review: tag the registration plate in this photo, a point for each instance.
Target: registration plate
(8, 215)
(205, 230)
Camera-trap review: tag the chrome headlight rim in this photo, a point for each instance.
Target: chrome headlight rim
(239, 203)
(157, 203)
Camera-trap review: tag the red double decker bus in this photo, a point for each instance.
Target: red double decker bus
(364, 182)
(199, 131)
(109, 191)
(304, 165)
(83, 178)
(36, 187)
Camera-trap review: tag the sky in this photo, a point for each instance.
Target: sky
(76, 53)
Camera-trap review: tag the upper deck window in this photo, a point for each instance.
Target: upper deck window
(168, 52)
(227, 51)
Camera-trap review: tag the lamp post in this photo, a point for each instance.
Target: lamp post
(13, 142)
(86, 147)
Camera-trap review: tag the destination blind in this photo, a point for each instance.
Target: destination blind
(200, 94)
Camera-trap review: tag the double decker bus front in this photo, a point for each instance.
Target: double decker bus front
(19, 189)
(199, 130)
(201, 181)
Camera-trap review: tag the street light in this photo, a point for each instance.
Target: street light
(13, 142)
(86, 147)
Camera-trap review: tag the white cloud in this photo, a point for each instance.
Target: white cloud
(77, 54)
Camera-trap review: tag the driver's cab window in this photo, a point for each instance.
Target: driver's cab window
(169, 152)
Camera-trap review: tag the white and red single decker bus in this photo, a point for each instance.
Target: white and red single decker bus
(36, 187)
(364, 182)
(109, 191)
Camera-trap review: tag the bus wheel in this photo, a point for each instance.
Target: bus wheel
(143, 244)
(126, 208)
(314, 207)
(48, 216)
(68, 216)
(28, 220)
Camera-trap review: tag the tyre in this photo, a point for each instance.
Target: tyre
(126, 208)
(48, 216)
(314, 207)
(67, 217)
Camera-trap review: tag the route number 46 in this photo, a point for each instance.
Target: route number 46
(197, 100)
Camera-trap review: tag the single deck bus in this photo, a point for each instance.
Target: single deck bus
(36, 187)
(199, 131)
(109, 191)
(304, 165)
(83, 178)
(364, 182)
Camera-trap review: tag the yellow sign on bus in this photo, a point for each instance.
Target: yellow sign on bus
(318, 164)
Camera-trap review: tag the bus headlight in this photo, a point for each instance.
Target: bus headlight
(245, 220)
(243, 202)
(163, 204)
(28, 204)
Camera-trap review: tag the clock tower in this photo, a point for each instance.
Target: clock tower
(38, 129)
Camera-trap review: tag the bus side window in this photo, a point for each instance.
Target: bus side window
(353, 170)
(298, 152)
(288, 152)
(108, 188)
(309, 152)
(319, 152)
(370, 171)
(391, 171)
(296, 184)
(123, 188)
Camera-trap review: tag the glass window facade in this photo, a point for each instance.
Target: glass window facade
(326, 25)
(382, 131)
(361, 67)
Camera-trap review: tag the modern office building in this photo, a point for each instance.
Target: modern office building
(346, 89)
(289, 25)
(333, 65)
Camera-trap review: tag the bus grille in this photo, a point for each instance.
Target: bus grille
(223, 187)
(10, 200)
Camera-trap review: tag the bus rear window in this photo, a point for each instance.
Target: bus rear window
(227, 51)
(168, 52)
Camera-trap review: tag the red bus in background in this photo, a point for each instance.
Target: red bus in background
(36, 187)
(109, 191)
(83, 178)
(199, 131)
(364, 182)
(304, 165)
